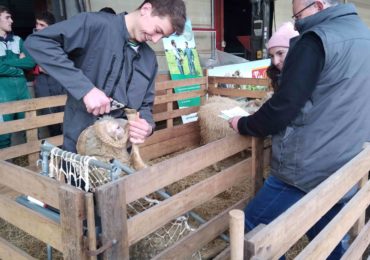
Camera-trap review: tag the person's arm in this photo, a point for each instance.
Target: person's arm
(51, 46)
(24, 61)
(301, 72)
(9, 71)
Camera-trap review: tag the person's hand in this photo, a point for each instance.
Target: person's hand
(233, 123)
(22, 55)
(97, 102)
(139, 130)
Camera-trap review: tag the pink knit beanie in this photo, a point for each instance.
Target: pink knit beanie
(282, 36)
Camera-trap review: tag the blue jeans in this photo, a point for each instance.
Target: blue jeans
(274, 198)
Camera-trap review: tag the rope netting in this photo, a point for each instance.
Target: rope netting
(87, 173)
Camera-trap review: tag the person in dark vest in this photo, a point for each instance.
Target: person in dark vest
(319, 117)
(44, 84)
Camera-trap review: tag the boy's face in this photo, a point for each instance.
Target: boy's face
(151, 28)
(40, 24)
(5, 22)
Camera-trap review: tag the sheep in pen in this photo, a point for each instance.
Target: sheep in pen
(102, 156)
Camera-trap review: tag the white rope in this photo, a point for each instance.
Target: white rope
(64, 166)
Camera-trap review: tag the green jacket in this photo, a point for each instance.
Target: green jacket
(13, 84)
(10, 63)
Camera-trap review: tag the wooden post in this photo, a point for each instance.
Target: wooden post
(32, 135)
(111, 201)
(72, 212)
(91, 232)
(257, 163)
(236, 234)
(169, 109)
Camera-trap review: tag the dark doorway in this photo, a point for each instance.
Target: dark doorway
(237, 22)
(23, 13)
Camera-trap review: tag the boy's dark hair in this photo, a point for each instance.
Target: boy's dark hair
(107, 10)
(273, 73)
(47, 17)
(4, 9)
(175, 9)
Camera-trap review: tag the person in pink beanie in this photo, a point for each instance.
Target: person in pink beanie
(278, 47)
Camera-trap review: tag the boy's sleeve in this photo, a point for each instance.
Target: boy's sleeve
(51, 47)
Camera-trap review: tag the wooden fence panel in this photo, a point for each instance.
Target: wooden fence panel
(27, 182)
(362, 241)
(151, 219)
(112, 210)
(325, 242)
(28, 148)
(31, 222)
(72, 214)
(270, 244)
(183, 165)
(9, 251)
(184, 248)
(32, 104)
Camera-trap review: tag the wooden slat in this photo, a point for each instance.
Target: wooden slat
(112, 210)
(32, 222)
(32, 104)
(300, 217)
(91, 225)
(324, 243)
(170, 146)
(167, 133)
(257, 163)
(230, 92)
(180, 83)
(185, 247)
(240, 81)
(360, 223)
(27, 182)
(9, 251)
(175, 97)
(183, 165)
(151, 219)
(72, 214)
(169, 110)
(31, 123)
(174, 113)
(359, 245)
(224, 255)
(31, 135)
(27, 148)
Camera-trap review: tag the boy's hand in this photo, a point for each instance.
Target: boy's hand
(97, 102)
(139, 130)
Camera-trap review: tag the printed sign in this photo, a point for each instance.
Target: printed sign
(183, 63)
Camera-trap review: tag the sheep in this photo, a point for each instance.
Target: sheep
(213, 127)
(108, 139)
